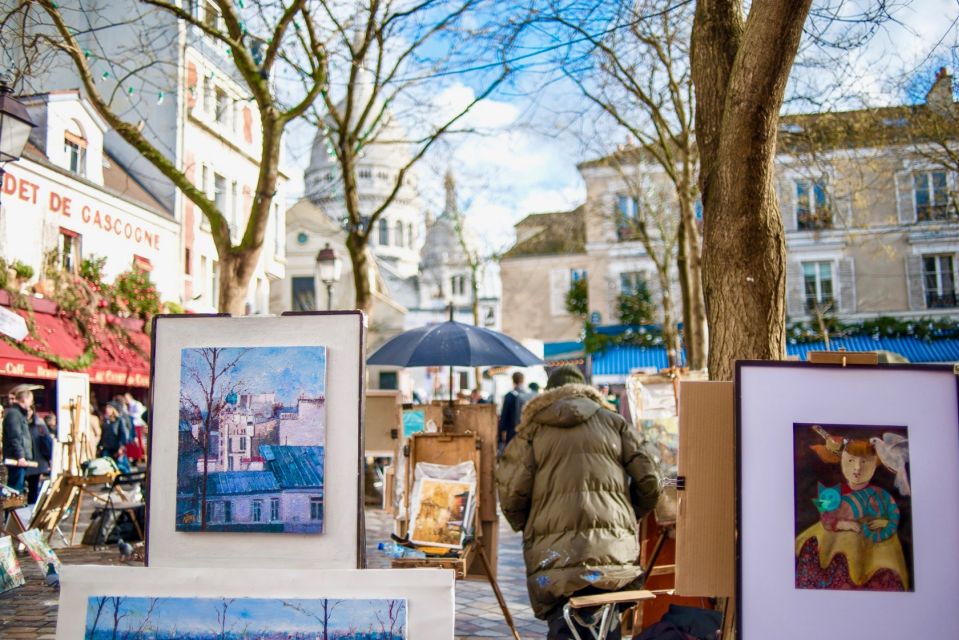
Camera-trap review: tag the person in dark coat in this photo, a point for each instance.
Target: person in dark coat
(17, 442)
(42, 439)
(512, 408)
(115, 432)
(575, 480)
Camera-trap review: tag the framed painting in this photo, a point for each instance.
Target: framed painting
(11, 576)
(848, 499)
(255, 441)
(100, 603)
(45, 557)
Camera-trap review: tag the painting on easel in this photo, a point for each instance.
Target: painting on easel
(11, 576)
(853, 507)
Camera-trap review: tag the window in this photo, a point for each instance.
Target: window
(399, 234)
(69, 250)
(575, 275)
(274, 509)
(219, 192)
(210, 511)
(389, 380)
(303, 293)
(627, 212)
(205, 179)
(631, 281)
(211, 16)
(812, 205)
(409, 236)
(384, 232)
(242, 443)
(222, 106)
(257, 511)
(227, 511)
(187, 261)
(458, 285)
(365, 173)
(931, 192)
(141, 263)
(939, 281)
(316, 508)
(817, 285)
(75, 150)
(208, 95)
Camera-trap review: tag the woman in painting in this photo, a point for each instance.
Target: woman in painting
(855, 544)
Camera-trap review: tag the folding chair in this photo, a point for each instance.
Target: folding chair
(603, 620)
(119, 501)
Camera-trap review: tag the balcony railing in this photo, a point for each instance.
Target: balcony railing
(935, 300)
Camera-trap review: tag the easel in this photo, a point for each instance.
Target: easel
(11, 523)
(450, 449)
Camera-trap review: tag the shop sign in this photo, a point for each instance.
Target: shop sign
(23, 369)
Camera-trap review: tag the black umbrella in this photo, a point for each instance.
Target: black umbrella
(453, 344)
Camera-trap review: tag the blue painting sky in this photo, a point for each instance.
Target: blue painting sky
(287, 371)
(253, 614)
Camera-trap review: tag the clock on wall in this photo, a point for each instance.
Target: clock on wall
(301, 237)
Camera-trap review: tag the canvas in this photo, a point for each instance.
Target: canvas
(40, 551)
(441, 511)
(853, 507)
(251, 439)
(160, 618)
(11, 576)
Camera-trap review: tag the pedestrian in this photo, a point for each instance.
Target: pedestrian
(17, 442)
(134, 409)
(575, 480)
(115, 433)
(476, 396)
(512, 409)
(40, 434)
(91, 439)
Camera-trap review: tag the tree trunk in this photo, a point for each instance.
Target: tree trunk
(235, 271)
(670, 334)
(689, 261)
(360, 257)
(740, 70)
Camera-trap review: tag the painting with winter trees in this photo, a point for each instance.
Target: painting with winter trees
(251, 444)
(853, 507)
(135, 618)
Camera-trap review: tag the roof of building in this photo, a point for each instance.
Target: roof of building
(294, 467)
(227, 483)
(559, 232)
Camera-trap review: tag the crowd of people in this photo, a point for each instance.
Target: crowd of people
(29, 440)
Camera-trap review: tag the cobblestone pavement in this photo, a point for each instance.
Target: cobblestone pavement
(30, 611)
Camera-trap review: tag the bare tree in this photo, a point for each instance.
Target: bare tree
(259, 38)
(382, 53)
(222, 612)
(212, 383)
(636, 72)
(327, 607)
(92, 629)
(116, 603)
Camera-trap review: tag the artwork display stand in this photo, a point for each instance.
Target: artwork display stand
(12, 524)
(472, 561)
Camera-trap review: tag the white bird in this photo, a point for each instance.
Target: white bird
(893, 450)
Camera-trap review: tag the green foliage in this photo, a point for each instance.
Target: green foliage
(134, 294)
(880, 327)
(635, 336)
(23, 271)
(91, 269)
(636, 307)
(173, 307)
(577, 298)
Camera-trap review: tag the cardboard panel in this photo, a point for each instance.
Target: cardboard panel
(384, 416)
(705, 534)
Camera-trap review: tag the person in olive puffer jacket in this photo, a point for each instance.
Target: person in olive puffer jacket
(575, 480)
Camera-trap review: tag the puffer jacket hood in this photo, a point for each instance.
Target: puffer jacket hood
(574, 480)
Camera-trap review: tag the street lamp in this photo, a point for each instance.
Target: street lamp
(328, 270)
(15, 125)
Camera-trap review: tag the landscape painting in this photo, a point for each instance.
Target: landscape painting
(251, 444)
(11, 576)
(40, 551)
(441, 511)
(135, 618)
(853, 502)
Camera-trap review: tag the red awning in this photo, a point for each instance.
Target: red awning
(115, 362)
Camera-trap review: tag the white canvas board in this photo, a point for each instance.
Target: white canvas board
(428, 593)
(337, 547)
(774, 398)
(71, 386)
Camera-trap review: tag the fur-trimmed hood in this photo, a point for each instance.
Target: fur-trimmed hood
(565, 406)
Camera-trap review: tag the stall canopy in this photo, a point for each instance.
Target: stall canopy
(117, 361)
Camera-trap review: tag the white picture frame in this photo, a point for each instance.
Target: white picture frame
(429, 593)
(341, 545)
(774, 400)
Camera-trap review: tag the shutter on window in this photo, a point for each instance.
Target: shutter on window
(914, 285)
(905, 205)
(847, 286)
(787, 203)
(558, 287)
(795, 300)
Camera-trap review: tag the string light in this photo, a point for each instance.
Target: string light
(160, 97)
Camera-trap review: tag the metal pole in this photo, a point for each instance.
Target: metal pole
(329, 296)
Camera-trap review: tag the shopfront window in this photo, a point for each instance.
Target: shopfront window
(69, 250)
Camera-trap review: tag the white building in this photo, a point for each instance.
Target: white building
(192, 110)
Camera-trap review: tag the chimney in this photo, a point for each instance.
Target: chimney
(940, 94)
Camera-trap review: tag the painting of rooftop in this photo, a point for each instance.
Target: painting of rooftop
(251, 443)
(111, 617)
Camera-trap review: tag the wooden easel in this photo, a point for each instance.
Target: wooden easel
(451, 449)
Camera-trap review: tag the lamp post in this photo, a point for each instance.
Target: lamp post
(15, 126)
(328, 270)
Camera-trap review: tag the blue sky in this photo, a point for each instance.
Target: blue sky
(200, 614)
(287, 371)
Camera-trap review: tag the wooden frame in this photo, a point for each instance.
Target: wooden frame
(773, 399)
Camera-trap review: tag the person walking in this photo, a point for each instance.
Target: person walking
(115, 433)
(40, 434)
(17, 443)
(512, 409)
(575, 480)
